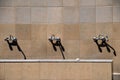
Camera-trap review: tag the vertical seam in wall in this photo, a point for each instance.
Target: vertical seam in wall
(46, 31)
(112, 19)
(15, 19)
(79, 29)
(78, 23)
(112, 11)
(62, 3)
(22, 71)
(112, 70)
(46, 28)
(30, 25)
(4, 70)
(30, 12)
(39, 69)
(78, 6)
(95, 19)
(62, 14)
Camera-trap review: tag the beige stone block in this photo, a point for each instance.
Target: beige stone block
(70, 2)
(23, 31)
(72, 49)
(105, 29)
(2, 71)
(38, 49)
(22, 3)
(7, 15)
(116, 3)
(87, 2)
(37, 3)
(56, 29)
(39, 15)
(69, 69)
(54, 3)
(13, 71)
(87, 31)
(23, 15)
(116, 12)
(6, 30)
(84, 71)
(116, 31)
(57, 71)
(87, 14)
(48, 73)
(88, 49)
(104, 14)
(6, 3)
(71, 32)
(55, 15)
(63, 75)
(30, 71)
(71, 15)
(116, 62)
(39, 32)
(104, 2)
(99, 72)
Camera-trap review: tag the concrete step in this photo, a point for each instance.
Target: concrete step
(116, 76)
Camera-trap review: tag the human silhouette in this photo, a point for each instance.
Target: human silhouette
(103, 43)
(12, 41)
(56, 41)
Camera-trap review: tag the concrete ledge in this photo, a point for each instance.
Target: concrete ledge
(116, 76)
(56, 61)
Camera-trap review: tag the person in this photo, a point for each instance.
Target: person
(103, 43)
(56, 41)
(12, 41)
